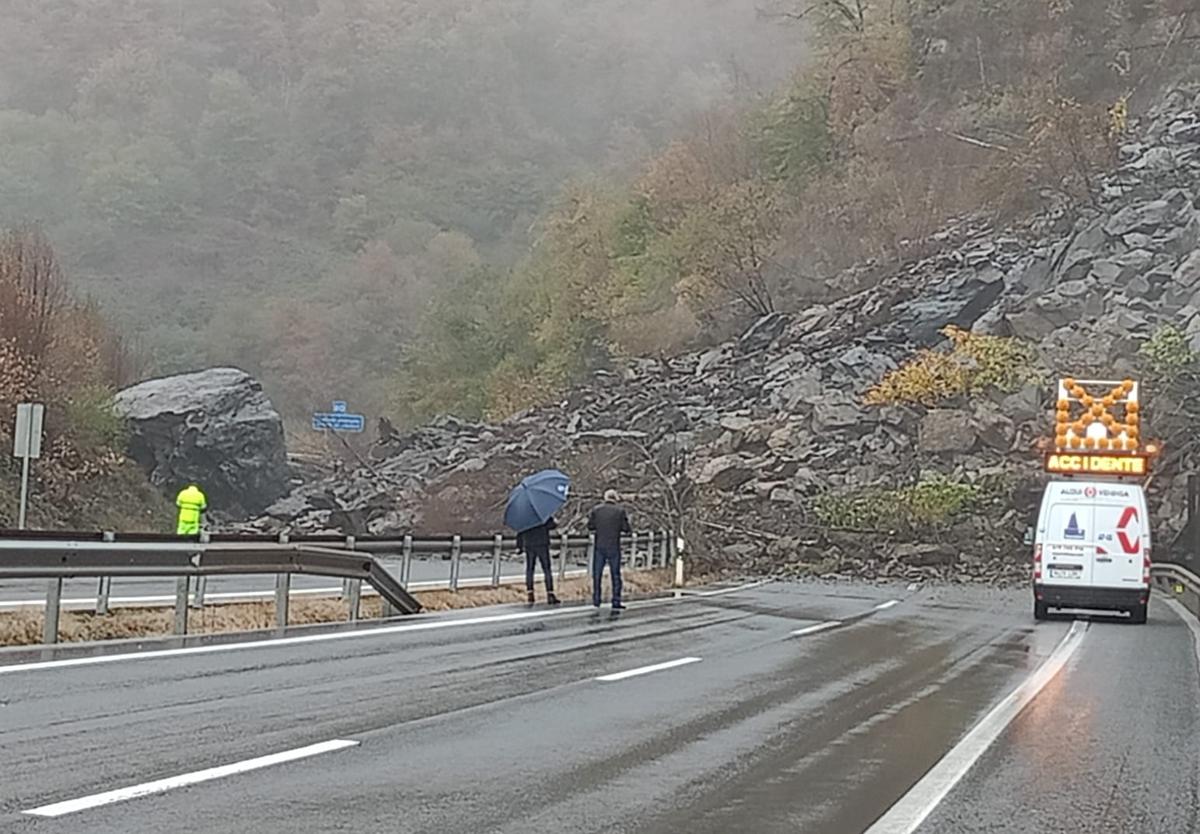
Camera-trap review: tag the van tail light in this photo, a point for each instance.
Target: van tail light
(1146, 566)
(1037, 562)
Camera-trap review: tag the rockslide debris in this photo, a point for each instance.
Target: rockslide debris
(733, 443)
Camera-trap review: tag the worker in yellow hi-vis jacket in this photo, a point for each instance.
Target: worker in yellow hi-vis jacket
(192, 504)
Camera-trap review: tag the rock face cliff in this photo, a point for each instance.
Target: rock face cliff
(737, 444)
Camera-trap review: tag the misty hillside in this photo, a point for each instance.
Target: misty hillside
(467, 207)
(229, 176)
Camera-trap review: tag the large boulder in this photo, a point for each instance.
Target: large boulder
(214, 427)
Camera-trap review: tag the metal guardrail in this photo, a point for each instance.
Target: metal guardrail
(1179, 581)
(55, 556)
(1171, 571)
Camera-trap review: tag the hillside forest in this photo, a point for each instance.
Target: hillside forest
(289, 185)
(436, 206)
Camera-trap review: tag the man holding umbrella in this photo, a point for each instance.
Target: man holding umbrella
(530, 511)
(535, 544)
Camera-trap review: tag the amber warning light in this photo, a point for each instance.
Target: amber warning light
(1087, 420)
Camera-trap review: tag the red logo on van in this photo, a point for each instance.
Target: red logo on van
(1127, 544)
(1090, 492)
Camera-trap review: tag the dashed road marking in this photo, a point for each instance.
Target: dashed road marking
(646, 670)
(813, 629)
(74, 806)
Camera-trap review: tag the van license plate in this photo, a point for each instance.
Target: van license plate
(1062, 573)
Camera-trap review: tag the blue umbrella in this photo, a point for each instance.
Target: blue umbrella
(536, 498)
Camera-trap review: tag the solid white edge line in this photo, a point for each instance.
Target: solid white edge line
(907, 814)
(646, 670)
(813, 629)
(884, 606)
(1190, 620)
(321, 638)
(73, 806)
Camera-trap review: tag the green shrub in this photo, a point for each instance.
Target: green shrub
(932, 503)
(1167, 354)
(93, 422)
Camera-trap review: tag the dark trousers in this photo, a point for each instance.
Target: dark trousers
(611, 558)
(533, 555)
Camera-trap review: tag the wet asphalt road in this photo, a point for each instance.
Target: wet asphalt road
(502, 726)
(1113, 745)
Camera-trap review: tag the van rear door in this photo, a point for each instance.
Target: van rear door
(1120, 540)
(1068, 537)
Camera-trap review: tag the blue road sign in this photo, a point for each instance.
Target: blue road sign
(338, 419)
(339, 422)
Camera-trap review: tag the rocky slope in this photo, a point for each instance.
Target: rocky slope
(734, 444)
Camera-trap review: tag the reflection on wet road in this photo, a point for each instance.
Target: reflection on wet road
(781, 708)
(1109, 746)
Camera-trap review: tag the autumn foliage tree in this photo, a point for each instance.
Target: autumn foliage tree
(58, 351)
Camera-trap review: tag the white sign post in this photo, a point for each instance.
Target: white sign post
(27, 445)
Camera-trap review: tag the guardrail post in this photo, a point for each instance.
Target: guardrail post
(563, 546)
(355, 596)
(633, 551)
(283, 593)
(201, 581)
(497, 555)
(53, 609)
(181, 605)
(104, 586)
(406, 562)
(103, 595)
(455, 555)
(346, 589)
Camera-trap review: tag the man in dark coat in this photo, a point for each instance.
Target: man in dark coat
(609, 522)
(535, 544)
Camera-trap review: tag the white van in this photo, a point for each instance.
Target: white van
(1092, 548)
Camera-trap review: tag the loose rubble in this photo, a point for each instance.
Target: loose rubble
(734, 442)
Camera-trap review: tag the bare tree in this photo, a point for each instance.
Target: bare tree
(32, 291)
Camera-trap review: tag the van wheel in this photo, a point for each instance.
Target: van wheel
(1137, 614)
(1040, 610)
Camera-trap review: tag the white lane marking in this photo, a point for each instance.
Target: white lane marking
(719, 591)
(813, 629)
(85, 803)
(884, 606)
(322, 638)
(646, 670)
(911, 809)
